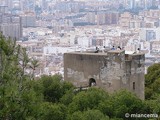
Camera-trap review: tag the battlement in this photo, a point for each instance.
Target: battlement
(128, 56)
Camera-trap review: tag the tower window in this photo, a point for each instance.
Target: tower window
(134, 86)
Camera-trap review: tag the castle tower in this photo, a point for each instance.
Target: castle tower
(111, 71)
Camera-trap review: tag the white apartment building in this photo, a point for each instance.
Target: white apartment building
(149, 34)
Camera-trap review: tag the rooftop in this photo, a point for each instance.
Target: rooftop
(101, 52)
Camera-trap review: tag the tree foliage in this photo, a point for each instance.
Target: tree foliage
(152, 81)
(87, 100)
(51, 98)
(54, 88)
(50, 111)
(88, 115)
(17, 98)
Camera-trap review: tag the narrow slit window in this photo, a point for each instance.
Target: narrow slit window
(134, 86)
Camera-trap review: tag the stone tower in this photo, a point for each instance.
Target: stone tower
(112, 70)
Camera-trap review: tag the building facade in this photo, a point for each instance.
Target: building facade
(28, 20)
(111, 71)
(11, 26)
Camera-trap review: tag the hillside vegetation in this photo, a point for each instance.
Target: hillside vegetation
(50, 98)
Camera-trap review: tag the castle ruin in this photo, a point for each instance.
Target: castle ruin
(112, 70)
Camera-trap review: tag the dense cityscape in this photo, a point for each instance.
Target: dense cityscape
(49, 28)
(79, 59)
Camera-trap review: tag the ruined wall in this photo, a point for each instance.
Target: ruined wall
(111, 70)
(79, 68)
(112, 74)
(136, 74)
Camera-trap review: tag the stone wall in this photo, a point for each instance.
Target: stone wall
(111, 71)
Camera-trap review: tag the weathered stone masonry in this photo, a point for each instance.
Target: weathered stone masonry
(112, 71)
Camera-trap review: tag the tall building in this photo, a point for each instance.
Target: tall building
(28, 20)
(101, 18)
(9, 3)
(44, 5)
(3, 9)
(125, 19)
(28, 5)
(12, 30)
(11, 26)
(91, 17)
(132, 4)
(125, 3)
(111, 17)
(70, 6)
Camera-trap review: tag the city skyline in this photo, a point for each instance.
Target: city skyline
(51, 28)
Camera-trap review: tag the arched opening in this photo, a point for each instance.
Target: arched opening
(92, 82)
